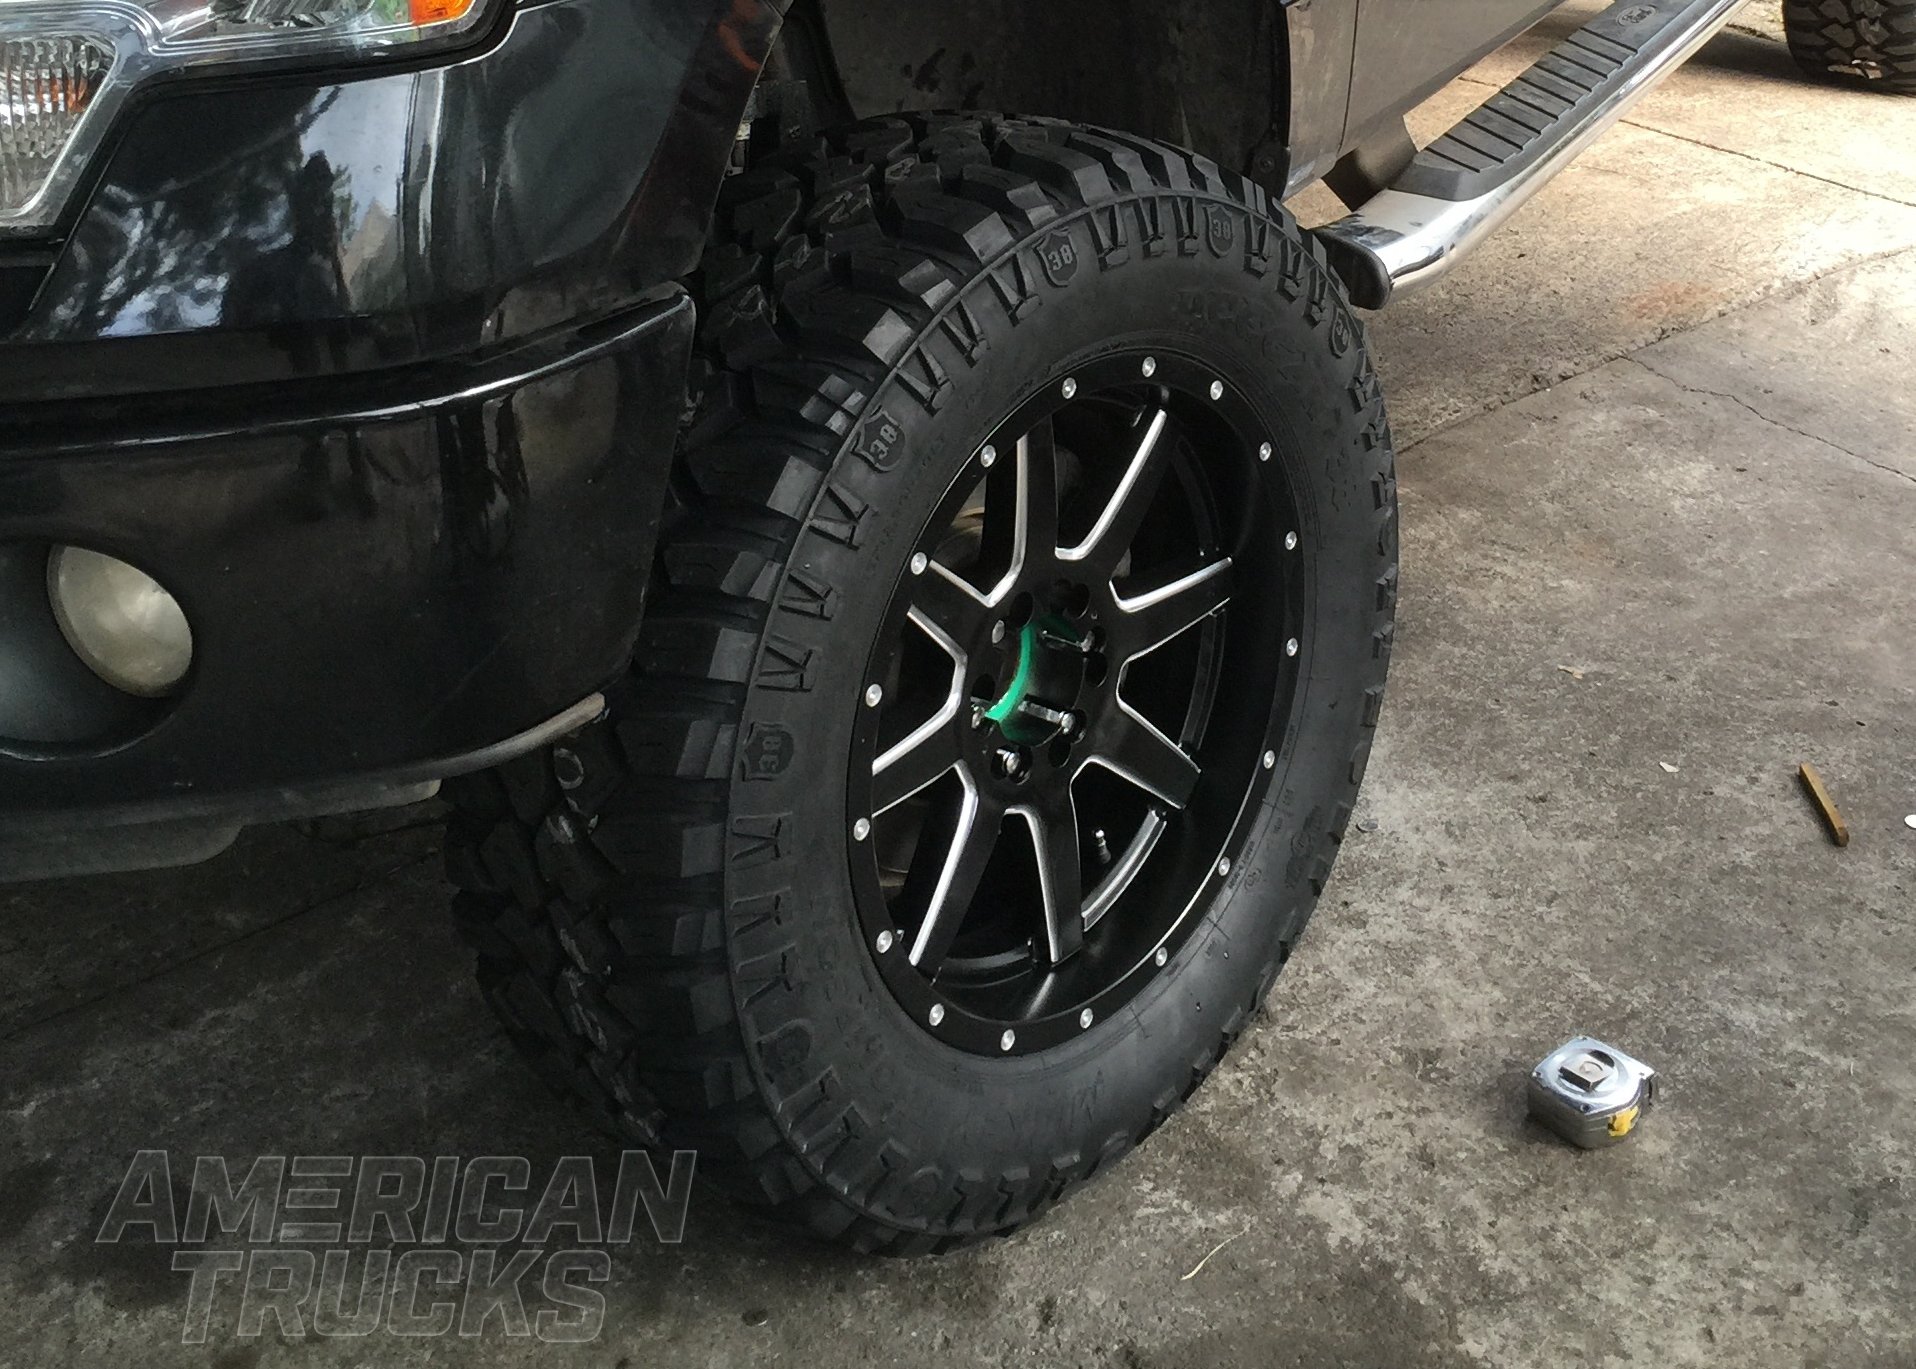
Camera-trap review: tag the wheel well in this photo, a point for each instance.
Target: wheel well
(1210, 75)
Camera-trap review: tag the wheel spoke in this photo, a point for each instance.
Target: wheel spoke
(1021, 509)
(1148, 620)
(1137, 490)
(921, 759)
(968, 838)
(946, 609)
(1054, 836)
(1129, 745)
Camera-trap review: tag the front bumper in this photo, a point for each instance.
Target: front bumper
(387, 580)
(378, 370)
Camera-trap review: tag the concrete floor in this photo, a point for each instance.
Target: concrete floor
(1661, 434)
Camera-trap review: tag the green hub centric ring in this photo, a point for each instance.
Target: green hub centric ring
(1045, 682)
(1007, 706)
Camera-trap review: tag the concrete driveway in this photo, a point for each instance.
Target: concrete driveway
(1659, 488)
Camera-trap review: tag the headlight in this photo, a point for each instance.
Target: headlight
(66, 64)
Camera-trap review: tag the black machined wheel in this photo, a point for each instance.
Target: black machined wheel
(1012, 657)
(1049, 770)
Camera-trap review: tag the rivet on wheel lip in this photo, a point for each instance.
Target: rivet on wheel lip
(1070, 387)
(998, 631)
(1290, 647)
(1085, 1020)
(920, 562)
(988, 457)
(1162, 956)
(884, 942)
(1217, 389)
(1270, 759)
(1264, 452)
(1224, 865)
(874, 696)
(861, 829)
(937, 1013)
(1008, 1040)
(1290, 541)
(1150, 366)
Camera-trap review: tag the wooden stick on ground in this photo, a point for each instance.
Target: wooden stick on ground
(1839, 830)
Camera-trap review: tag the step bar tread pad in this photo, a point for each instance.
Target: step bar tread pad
(1518, 123)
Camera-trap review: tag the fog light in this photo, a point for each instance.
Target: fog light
(120, 621)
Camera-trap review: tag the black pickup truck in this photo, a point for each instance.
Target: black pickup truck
(897, 597)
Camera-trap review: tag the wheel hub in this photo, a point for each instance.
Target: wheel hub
(1053, 676)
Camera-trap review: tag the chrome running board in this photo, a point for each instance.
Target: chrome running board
(1457, 191)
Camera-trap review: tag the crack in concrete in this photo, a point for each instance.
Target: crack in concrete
(206, 952)
(1770, 419)
(1605, 359)
(1774, 165)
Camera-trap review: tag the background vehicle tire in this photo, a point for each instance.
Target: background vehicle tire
(712, 918)
(1873, 41)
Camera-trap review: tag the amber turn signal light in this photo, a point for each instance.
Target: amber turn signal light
(439, 11)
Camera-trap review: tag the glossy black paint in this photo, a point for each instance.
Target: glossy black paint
(379, 372)
(284, 228)
(419, 580)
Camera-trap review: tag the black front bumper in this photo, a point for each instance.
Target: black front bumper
(389, 581)
(378, 370)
